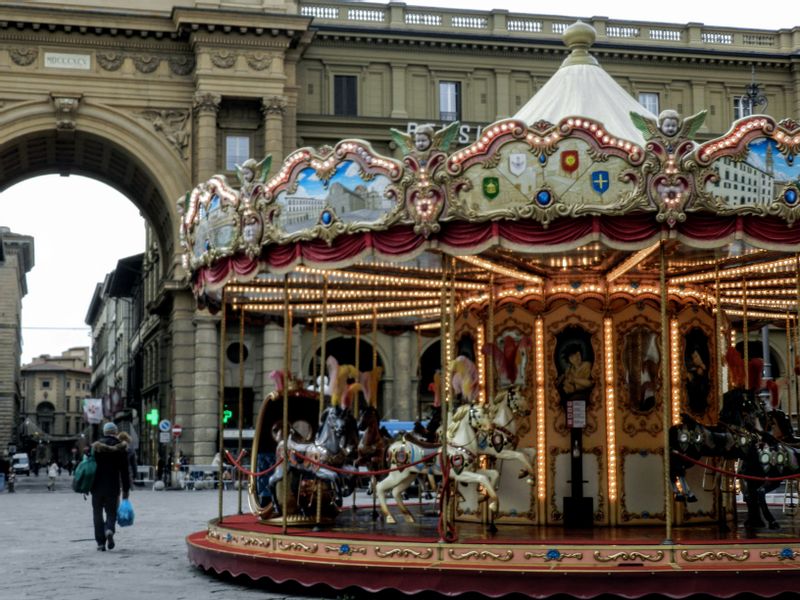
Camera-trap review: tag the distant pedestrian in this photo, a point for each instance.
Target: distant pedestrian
(113, 473)
(52, 473)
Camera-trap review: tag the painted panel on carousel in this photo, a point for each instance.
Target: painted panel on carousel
(752, 169)
(343, 192)
(210, 221)
(544, 172)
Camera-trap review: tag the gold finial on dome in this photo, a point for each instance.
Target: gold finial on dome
(579, 37)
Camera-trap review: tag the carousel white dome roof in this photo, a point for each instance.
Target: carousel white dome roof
(582, 88)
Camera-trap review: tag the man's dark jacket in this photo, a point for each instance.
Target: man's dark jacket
(111, 455)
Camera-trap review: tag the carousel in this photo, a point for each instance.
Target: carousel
(599, 286)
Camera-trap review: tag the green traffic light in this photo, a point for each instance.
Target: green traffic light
(152, 417)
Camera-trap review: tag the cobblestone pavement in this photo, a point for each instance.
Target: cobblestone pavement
(47, 548)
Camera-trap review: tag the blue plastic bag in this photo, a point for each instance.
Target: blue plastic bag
(125, 513)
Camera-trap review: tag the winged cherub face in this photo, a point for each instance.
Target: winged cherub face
(422, 141)
(669, 122)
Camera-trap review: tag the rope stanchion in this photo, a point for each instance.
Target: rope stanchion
(365, 473)
(733, 473)
(237, 463)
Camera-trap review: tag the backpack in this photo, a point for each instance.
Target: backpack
(83, 478)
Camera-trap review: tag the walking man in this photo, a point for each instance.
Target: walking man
(111, 455)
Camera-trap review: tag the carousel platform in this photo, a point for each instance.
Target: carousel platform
(531, 561)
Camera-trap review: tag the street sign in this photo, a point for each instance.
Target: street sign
(163, 437)
(176, 430)
(164, 425)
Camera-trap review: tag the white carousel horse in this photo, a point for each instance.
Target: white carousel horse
(501, 440)
(462, 455)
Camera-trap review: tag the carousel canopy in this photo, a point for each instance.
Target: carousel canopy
(582, 87)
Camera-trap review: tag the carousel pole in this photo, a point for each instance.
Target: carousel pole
(490, 340)
(419, 373)
(745, 337)
(220, 424)
(322, 386)
(451, 339)
(797, 342)
(314, 373)
(720, 337)
(665, 391)
(789, 368)
(287, 360)
(444, 381)
(355, 400)
(241, 402)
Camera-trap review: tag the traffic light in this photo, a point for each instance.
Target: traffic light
(152, 417)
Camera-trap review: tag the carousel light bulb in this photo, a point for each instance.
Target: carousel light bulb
(541, 464)
(611, 441)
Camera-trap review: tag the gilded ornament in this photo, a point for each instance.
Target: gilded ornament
(722, 555)
(481, 555)
(404, 553)
(298, 546)
(628, 556)
(554, 555)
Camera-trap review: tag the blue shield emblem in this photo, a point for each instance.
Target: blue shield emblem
(600, 181)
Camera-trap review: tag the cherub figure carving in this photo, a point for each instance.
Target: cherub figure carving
(425, 139)
(669, 126)
(252, 175)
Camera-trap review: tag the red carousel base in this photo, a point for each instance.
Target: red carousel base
(533, 561)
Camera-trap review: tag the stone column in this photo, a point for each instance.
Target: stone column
(206, 107)
(206, 389)
(399, 110)
(503, 93)
(181, 370)
(274, 109)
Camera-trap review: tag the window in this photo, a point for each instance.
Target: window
(650, 101)
(345, 95)
(741, 107)
(449, 100)
(237, 150)
(45, 383)
(69, 382)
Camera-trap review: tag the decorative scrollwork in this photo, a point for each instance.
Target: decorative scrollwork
(629, 556)
(404, 553)
(782, 554)
(481, 555)
(258, 62)
(346, 549)
(298, 546)
(721, 555)
(556, 555)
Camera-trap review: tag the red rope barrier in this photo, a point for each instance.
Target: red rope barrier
(236, 463)
(733, 473)
(365, 473)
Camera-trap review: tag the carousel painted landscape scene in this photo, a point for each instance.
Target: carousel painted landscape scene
(575, 307)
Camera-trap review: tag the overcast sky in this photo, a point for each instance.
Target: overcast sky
(82, 227)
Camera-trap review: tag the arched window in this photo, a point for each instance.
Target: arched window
(45, 416)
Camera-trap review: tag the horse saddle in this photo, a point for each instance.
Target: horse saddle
(418, 441)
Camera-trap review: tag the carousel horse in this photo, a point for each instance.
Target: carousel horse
(741, 434)
(500, 442)
(334, 445)
(462, 455)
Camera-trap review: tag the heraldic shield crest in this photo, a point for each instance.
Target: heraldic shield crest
(491, 187)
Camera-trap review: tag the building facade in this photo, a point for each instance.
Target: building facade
(53, 390)
(157, 98)
(16, 260)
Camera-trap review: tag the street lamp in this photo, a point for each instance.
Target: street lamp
(753, 95)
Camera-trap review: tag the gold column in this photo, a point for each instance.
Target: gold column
(287, 361)
(241, 403)
(665, 391)
(220, 424)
